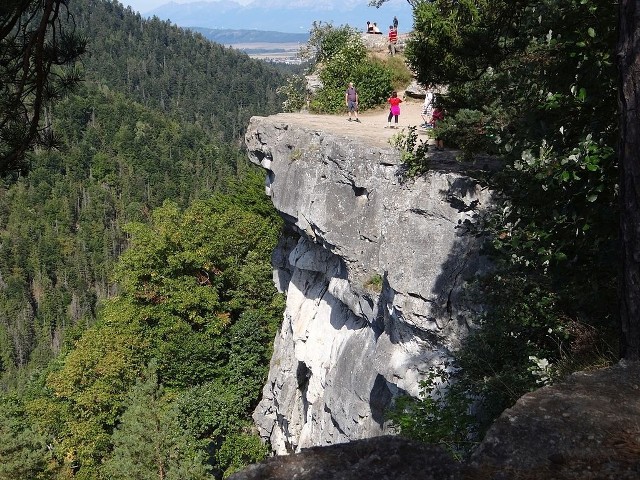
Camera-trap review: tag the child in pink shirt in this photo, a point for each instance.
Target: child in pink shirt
(394, 110)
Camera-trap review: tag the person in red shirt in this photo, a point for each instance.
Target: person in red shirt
(438, 116)
(394, 110)
(393, 39)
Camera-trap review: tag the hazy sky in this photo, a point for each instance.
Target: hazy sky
(147, 5)
(327, 10)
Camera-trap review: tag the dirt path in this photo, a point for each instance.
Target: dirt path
(372, 122)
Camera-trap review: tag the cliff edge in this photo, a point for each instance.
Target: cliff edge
(375, 269)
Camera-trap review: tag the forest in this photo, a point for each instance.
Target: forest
(137, 309)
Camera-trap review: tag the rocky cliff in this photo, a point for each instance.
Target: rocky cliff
(375, 271)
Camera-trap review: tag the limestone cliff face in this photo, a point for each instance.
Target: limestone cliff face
(375, 272)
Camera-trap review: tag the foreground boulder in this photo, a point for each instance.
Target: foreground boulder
(378, 458)
(584, 428)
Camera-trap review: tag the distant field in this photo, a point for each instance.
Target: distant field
(269, 50)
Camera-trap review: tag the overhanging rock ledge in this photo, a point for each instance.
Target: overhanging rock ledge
(376, 273)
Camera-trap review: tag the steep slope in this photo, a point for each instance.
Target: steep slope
(175, 70)
(375, 271)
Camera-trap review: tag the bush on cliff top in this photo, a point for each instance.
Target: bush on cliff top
(339, 56)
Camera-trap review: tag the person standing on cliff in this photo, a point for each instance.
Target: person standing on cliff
(351, 100)
(393, 40)
(395, 23)
(394, 110)
(427, 109)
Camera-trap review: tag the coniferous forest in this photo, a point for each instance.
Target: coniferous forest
(136, 303)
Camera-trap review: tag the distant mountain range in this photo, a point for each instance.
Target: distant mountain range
(283, 16)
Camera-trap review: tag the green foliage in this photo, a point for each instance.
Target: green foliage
(534, 83)
(212, 409)
(90, 388)
(37, 53)
(413, 153)
(374, 283)
(442, 414)
(175, 71)
(238, 451)
(197, 300)
(341, 57)
(195, 293)
(461, 39)
(524, 341)
(23, 451)
(401, 75)
(62, 227)
(326, 41)
(546, 102)
(295, 92)
(373, 81)
(150, 443)
(469, 130)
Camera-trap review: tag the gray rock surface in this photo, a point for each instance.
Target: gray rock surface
(371, 459)
(375, 271)
(415, 90)
(584, 428)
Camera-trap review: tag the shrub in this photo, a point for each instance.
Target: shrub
(470, 130)
(401, 75)
(341, 57)
(413, 153)
(295, 92)
(325, 41)
(374, 283)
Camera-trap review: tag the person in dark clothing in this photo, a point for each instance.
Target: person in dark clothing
(351, 100)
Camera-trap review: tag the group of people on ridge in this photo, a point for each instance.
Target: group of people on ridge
(373, 28)
(392, 35)
(431, 112)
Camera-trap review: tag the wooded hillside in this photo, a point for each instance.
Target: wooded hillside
(134, 263)
(175, 70)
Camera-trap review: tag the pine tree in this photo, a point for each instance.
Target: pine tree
(23, 451)
(34, 48)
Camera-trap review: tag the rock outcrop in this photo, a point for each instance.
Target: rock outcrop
(584, 428)
(380, 458)
(375, 271)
